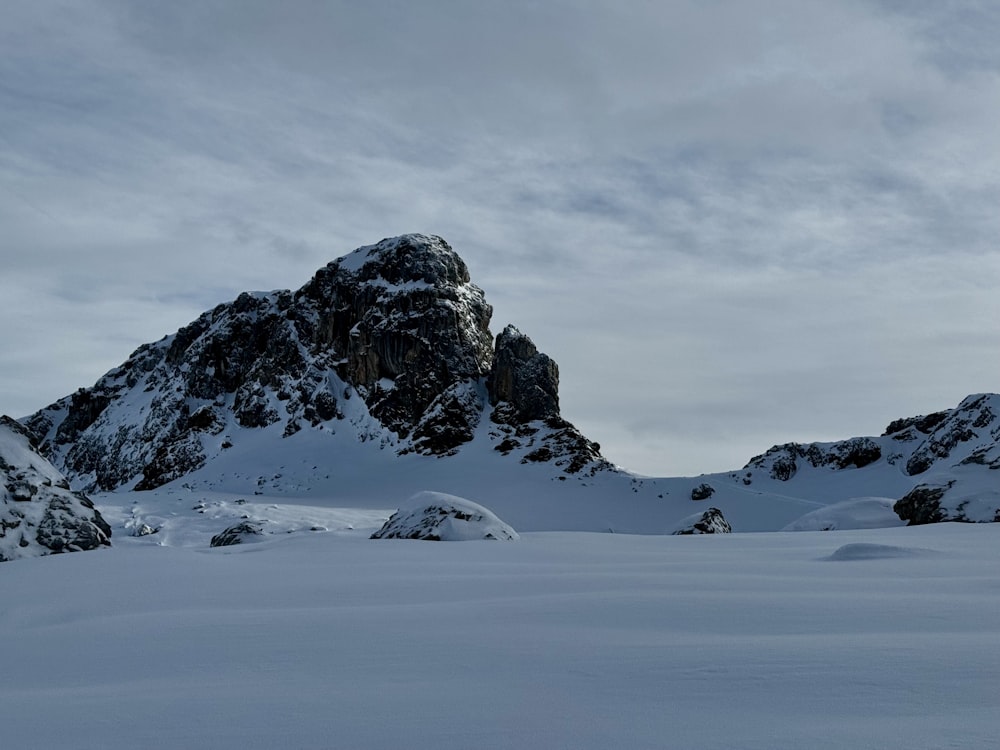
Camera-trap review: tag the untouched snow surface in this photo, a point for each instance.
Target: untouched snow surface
(843, 639)
(857, 513)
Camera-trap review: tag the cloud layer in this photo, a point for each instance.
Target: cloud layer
(732, 224)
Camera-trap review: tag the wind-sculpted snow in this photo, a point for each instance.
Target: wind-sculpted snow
(390, 343)
(868, 551)
(39, 514)
(856, 513)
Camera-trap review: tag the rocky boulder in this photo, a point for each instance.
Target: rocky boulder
(238, 534)
(391, 342)
(524, 383)
(710, 522)
(39, 514)
(782, 461)
(702, 492)
(437, 517)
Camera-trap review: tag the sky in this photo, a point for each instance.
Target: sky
(732, 224)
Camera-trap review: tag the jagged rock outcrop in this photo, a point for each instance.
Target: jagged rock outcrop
(702, 492)
(974, 418)
(39, 514)
(437, 517)
(922, 504)
(938, 502)
(710, 522)
(782, 461)
(391, 341)
(524, 387)
(524, 383)
(238, 534)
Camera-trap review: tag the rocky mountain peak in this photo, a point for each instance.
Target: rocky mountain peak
(391, 341)
(409, 258)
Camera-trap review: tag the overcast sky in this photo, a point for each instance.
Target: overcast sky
(732, 224)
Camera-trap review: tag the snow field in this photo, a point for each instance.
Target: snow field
(562, 640)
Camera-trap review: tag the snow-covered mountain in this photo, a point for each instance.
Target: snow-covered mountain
(39, 514)
(380, 378)
(389, 344)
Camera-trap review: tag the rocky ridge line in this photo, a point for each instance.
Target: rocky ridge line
(947, 451)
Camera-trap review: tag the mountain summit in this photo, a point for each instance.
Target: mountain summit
(390, 343)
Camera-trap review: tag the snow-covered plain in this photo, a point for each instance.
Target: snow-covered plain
(875, 638)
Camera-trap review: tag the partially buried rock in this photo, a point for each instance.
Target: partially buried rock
(238, 534)
(710, 522)
(437, 517)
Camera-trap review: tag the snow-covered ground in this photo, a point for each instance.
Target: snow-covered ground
(877, 638)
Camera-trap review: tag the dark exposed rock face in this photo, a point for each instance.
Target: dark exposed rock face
(407, 324)
(524, 383)
(39, 514)
(922, 424)
(391, 341)
(238, 534)
(710, 522)
(781, 461)
(922, 505)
